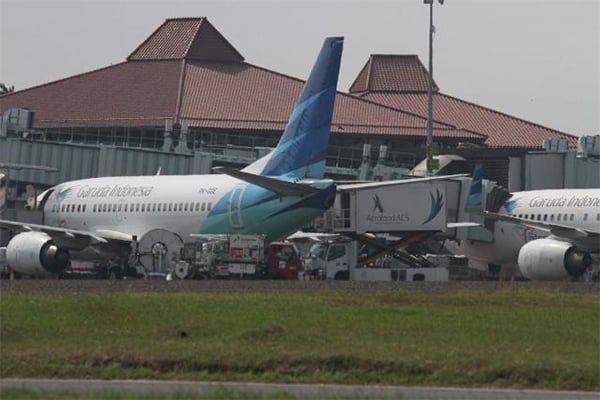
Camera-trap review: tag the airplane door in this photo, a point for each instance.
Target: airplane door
(235, 204)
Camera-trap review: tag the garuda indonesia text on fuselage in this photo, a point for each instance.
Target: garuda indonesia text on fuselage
(549, 234)
(274, 196)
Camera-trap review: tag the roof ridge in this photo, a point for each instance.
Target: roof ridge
(201, 21)
(68, 78)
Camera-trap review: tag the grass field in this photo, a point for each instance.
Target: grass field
(508, 338)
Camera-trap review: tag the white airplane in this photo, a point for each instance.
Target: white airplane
(548, 234)
(274, 196)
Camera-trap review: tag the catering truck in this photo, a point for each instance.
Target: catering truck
(339, 260)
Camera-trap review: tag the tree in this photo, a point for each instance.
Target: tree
(6, 89)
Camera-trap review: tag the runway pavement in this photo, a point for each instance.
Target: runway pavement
(302, 391)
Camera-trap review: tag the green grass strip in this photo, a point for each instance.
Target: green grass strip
(508, 338)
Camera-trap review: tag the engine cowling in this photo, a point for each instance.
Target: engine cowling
(34, 253)
(550, 259)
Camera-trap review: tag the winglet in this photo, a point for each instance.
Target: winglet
(475, 200)
(302, 149)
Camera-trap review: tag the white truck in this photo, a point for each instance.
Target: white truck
(339, 260)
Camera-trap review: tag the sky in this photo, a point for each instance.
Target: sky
(538, 60)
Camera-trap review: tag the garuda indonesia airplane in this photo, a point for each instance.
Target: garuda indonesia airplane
(274, 196)
(551, 234)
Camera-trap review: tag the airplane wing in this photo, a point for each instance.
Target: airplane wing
(568, 232)
(278, 186)
(355, 186)
(72, 238)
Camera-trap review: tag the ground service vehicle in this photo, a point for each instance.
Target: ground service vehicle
(339, 260)
(242, 256)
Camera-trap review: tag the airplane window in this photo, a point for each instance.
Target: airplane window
(545, 217)
(143, 207)
(558, 217)
(164, 206)
(180, 206)
(159, 207)
(551, 217)
(104, 207)
(539, 217)
(84, 207)
(585, 216)
(137, 207)
(203, 206)
(125, 207)
(186, 206)
(114, 208)
(208, 207)
(170, 206)
(153, 207)
(572, 217)
(119, 207)
(197, 206)
(597, 217)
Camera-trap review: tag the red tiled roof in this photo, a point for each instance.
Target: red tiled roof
(502, 130)
(392, 73)
(400, 82)
(189, 38)
(126, 94)
(244, 96)
(167, 78)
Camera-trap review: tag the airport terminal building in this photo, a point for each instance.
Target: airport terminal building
(185, 101)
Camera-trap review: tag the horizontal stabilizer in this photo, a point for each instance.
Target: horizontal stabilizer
(280, 187)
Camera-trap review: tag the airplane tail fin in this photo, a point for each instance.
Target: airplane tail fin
(302, 149)
(474, 201)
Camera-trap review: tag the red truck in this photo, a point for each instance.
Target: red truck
(283, 261)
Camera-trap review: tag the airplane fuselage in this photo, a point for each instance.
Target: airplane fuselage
(184, 204)
(577, 208)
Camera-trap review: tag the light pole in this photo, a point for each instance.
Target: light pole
(429, 142)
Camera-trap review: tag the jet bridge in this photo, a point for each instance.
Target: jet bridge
(408, 208)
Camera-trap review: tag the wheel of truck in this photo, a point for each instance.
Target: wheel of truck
(341, 276)
(115, 273)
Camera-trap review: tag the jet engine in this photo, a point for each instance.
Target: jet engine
(34, 253)
(550, 259)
